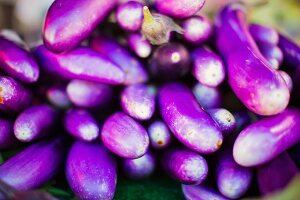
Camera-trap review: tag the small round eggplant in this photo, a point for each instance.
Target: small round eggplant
(139, 45)
(267, 138)
(89, 94)
(208, 97)
(34, 123)
(208, 67)
(7, 137)
(138, 101)
(224, 119)
(189, 123)
(199, 192)
(272, 54)
(185, 166)
(288, 80)
(58, 97)
(197, 29)
(91, 171)
(291, 51)
(159, 135)
(81, 124)
(264, 34)
(68, 22)
(124, 136)
(139, 167)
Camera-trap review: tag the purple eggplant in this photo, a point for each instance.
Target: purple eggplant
(233, 180)
(81, 63)
(68, 22)
(197, 29)
(267, 138)
(276, 174)
(224, 119)
(13, 95)
(17, 62)
(185, 166)
(58, 97)
(91, 171)
(260, 87)
(138, 101)
(208, 67)
(170, 61)
(264, 34)
(272, 53)
(129, 15)
(190, 124)
(81, 124)
(179, 8)
(7, 137)
(208, 97)
(199, 192)
(34, 123)
(89, 94)
(124, 136)
(288, 80)
(290, 50)
(139, 167)
(139, 45)
(159, 135)
(133, 68)
(33, 166)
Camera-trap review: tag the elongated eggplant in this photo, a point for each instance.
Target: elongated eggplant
(290, 50)
(159, 135)
(91, 171)
(224, 119)
(208, 97)
(263, 140)
(190, 124)
(7, 138)
(199, 192)
(139, 45)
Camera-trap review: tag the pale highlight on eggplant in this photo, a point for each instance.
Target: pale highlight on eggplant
(207, 97)
(159, 135)
(224, 119)
(200, 192)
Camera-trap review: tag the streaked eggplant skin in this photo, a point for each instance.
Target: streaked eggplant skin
(140, 167)
(208, 97)
(199, 192)
(208, 67)
(138, 101)
(14, 97)
(91, 171)
(264, 34)
(185, 166)
(179, 8)
(89, 94)
(139, 45)
(260, 87)
(272, 53)
(34, 122)
(133, 68)
(189, 123)
(124, 136)
(64, 28)
(290, 50)
(81, 63)
(288, 80)
(7, 138)
(159, 135)
(276, 174)
(267, 138)
(58, 97)
(81, 124)
(33, 166)
(233, 180)
(17, 62)
(224, 119)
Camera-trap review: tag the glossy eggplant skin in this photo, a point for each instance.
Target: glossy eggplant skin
(267, 138)
(260, 87)
(139, 45)
(91, 171)
(7, 138)
(264, 34)
(159, 135)
(224, 119)
(199, 192)
(272, 54)
(35, 165)
(291, 51)
(288, 80)
(17, 62)
(208, 97)
(58, 97)
(68, 22)
(190, 124)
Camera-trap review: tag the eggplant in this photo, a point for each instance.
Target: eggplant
(139, 45)
(58, 97)
(207, 97)
(200, 192)
(288, 80)
(224, 119)
(291, 51)
(272, 53)
(264, 34)
(159, 135)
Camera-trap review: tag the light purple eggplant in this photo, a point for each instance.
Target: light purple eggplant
(34, 123)
(14, 97)
(139, 45)
(290, 50)
(276, 174)
(7, 137)
(179, 8)
(224, 119)
(260, 87)
(288, 80)
(185, 166)
(129, 15)
(159, 135)
(190, 124)
(138, 101)
(233, 180)
(133, 68)
(267, 138)
(89, 94)
(272, 53)
(34, 166)
(68, 22)
(208, 97)
(264, 34)
(58, 97)
(139, 168)
(170, 61)
(81, 63)
(200, 192)
(17, 62)
(197, 29)
(81, 124)
(124, 136)
(208, 67)
(91, 171)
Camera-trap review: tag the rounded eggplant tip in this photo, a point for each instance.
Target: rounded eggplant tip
(89, 132)
(23, 134)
